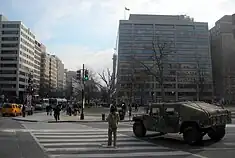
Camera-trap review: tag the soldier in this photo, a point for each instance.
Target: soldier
(113, 119)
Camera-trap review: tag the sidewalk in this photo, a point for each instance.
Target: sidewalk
(42, 117)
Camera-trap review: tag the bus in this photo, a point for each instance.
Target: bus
(57, 101)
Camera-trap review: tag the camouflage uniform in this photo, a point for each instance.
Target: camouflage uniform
(113, 119)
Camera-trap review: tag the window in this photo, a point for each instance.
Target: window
(9, 52)
(10, 38)
(9, 65)
(9, 58)
(7, 71)
(10, 25)
(10, 45)
(21, 86)
(8, 79)
(10, 32)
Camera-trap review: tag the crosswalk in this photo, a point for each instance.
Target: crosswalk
(91, 143)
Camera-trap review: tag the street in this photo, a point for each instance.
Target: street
(16, 144)
(70, 140)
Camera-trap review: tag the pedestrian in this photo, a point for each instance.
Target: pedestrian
(47, 109)
(57, 110)
(23, 110)
(136, 107)
(113, 119)
(130, 110)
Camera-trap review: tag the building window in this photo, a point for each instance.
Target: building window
(10, 25)
(10, 38)
(10, 32)
(10, 45)
(7, 72)
(9, 58)
(9, 52)
(8, 79)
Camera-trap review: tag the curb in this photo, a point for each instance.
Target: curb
(18, 119)
(76, 121)
(82, 121)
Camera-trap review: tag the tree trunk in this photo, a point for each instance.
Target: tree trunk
(162, 92)
(198, 95)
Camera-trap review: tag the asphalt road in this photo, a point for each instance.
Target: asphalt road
(16, 144)
(80, 140)
(208, 148)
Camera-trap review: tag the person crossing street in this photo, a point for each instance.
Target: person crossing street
(113, 119)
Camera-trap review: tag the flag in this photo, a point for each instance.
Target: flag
(127, 9)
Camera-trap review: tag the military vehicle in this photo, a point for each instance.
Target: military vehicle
(192, 119)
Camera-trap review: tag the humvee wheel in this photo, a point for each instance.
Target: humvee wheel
(217, 134)
(139, 129)
(192, 135)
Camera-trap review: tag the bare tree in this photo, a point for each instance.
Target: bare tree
(161, 49)
(109, 85)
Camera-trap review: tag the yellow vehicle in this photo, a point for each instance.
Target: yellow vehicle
(11, 109)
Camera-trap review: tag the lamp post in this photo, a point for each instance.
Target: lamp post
(83, 100)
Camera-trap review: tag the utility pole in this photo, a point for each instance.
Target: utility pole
(83, 100)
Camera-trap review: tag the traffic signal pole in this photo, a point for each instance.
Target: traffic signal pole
(83, 100)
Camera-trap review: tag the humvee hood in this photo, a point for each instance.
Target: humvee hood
(210, 108)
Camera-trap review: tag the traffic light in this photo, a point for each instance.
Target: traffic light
(86, 75)
(79, 75)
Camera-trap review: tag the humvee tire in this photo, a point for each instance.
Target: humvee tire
(192, 135)
(217, 134)
(139, 129)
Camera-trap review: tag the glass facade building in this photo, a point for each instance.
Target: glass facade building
(187, 59)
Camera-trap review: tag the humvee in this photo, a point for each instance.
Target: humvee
(192, 119)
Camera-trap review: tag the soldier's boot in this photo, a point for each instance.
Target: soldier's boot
(109, 137)
(114, 137)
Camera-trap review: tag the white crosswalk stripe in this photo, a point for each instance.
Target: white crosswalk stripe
(91, 143)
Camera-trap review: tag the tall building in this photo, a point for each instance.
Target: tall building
(60, 74)
(187, 58)
(64, 80)
(223, 53)
(53, 73)
(37, 65)
(70, 75)
(16, 57)
(44, 78)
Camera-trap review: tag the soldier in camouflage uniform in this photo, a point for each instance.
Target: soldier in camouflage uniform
(113, 119)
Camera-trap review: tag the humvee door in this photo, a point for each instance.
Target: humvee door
(171, 118)
(151, 121)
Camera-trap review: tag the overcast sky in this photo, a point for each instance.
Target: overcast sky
(84, 31)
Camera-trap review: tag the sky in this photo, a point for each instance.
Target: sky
(85, 31)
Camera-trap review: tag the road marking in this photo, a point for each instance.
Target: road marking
(211, 149)
(63, 130)
(230, 125)
(200, 156)
(125, 148)
(82, 140)
(230, 144)
(74, 136)
(56, 143)
(129, 154)
(94, 143)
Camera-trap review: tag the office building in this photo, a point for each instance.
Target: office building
(64, 80)
(37, 65)
(223, 53)
(53, 73)
(187, 59)
(60, 74)
(70, 76)
(17, 57)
